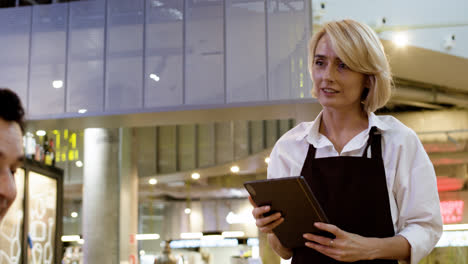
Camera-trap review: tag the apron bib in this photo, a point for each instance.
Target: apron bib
(353, 193)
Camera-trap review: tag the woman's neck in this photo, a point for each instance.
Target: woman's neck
(341, 126)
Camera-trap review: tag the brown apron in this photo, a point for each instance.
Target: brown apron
(353, 194)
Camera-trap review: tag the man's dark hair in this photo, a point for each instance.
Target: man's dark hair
(11, 108)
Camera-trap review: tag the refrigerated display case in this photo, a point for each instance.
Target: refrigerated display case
(32, 228)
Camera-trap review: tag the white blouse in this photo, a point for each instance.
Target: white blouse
(411, 179)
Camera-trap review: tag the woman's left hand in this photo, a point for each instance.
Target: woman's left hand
(346, 247)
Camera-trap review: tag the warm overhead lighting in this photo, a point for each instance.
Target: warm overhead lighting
(400, 39)
(142, 252)
(233, 234)
(40, 133)
(147, 236)
(195, 175)
(267, 160)
(187, 210)
(154, 77)
(79, 163)
(74, 214)
(456, 227)
(195, 235)
(212, 237)
(57, 84)
(244, 218)
(153, 181)
(74, 238)
(235, 169)
(82, 111)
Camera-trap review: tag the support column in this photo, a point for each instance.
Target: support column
(266, 252)
(128, 196)
(110, 210)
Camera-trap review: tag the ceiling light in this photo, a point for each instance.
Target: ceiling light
(154, 77)
(267, 160)
(73, 238)
(147, 236)
(79, 163)
(187, 210)
(153, 181)
(142, 252)
(400, 39)
(40, 133)
(191, 235)
(82, 111)
(195, 175)
(235, 169)
(57, 84)
(233, 234)
(74, 214)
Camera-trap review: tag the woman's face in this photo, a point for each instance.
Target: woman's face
(336, 85)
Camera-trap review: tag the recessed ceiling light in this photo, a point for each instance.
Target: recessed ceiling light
(79, 163)
(235, 169)
(195, 175)
(74, 214)
(188, 210)
(267, 160)
(154, 77)
(82, 111)
(400, 39)
(57, 84)
(153, 181)
(40, 133)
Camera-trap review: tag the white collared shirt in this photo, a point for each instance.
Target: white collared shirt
(411, 179)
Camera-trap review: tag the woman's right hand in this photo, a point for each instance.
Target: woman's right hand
(265, 224)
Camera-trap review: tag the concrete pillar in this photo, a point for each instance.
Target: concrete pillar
(109, 196)
(266, 252)
(128, 196)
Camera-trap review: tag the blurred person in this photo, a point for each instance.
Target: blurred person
(370, 173)
(11, 146)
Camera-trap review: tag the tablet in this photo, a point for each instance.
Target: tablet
(293, 198)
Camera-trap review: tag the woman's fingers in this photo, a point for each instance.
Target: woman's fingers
(258, 212)
(265, 221)
(329, 228)
(269, 227)
(325, 241)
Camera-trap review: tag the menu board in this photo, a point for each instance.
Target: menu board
(42, 207)
(11, 227)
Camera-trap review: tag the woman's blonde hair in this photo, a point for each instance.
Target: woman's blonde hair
(358, 46)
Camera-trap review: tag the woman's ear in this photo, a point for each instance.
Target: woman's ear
(369, 82)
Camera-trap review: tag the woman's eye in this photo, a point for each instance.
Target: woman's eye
(318, 62)
(342, 66)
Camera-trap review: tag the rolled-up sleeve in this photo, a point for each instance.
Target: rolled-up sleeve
(419, 220)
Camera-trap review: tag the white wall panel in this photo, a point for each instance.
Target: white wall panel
(163, 51)
(124, 77)
(245, 51)
(14, 38)
(85, 76)
(204, 52)
(48, 56)
(287, 49)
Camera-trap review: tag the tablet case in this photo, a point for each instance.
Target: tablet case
(292, 197)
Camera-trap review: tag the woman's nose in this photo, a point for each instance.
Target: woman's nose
(329, 73)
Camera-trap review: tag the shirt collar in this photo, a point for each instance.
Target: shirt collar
(318, 140)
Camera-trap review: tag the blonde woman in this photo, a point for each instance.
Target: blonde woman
(370, 173)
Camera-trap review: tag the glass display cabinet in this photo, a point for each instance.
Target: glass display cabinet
(31, 231)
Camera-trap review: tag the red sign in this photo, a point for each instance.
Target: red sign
(452, 211)
(132, 259)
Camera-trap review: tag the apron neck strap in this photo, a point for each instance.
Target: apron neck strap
(374, 143)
